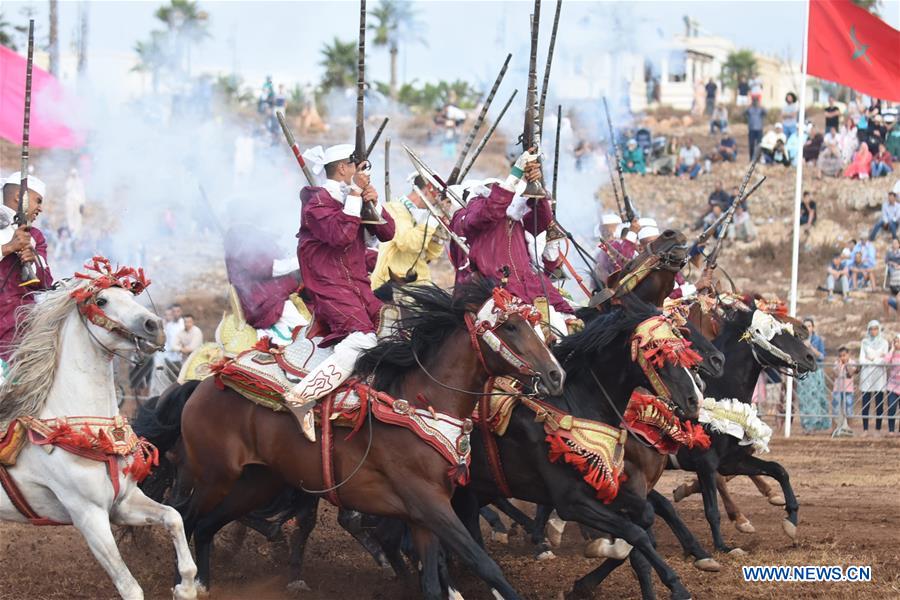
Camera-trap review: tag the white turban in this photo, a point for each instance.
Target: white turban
(34, 184)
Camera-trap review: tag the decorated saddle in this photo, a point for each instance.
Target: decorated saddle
(651, 418)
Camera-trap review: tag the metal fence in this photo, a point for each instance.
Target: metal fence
(867, 403)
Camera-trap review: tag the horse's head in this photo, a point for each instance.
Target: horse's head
(667, 358)
(510, 343)
(777, 340)
(671, 248)
(116, 321)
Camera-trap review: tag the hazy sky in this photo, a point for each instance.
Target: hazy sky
(465, 38)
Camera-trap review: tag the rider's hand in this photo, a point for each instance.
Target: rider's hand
(27, 255)
(361, 179)
(369, 194)
(21, 240)
(533, 171)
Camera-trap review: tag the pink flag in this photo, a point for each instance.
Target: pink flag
(48, 105)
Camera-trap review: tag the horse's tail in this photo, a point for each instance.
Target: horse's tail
(159, 421)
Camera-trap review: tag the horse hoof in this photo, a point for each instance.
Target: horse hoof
(184, 592)
(598, 548)
(621, 549)
(737, 552)
(453, 594)
(708, 564)
(202, 592)
(545, 555)
(744, 525)
(790, 529)
(297, 586)
(499, 537)
(776, 499)
(554, 531)
(680, 493)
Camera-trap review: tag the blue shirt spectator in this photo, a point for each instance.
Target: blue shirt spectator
(890, 216)
(867, 249)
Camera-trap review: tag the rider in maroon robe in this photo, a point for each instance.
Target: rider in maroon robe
(332, 255)
(494, 227)
(19, 244)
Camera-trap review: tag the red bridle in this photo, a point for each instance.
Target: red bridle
(105, 277)
(493, 314)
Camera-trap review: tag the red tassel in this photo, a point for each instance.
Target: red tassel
(459, 474)
(607, 488)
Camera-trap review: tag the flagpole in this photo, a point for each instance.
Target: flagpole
(798, 199)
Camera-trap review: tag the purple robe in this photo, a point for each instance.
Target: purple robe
(249, 254)
(12, 296)
(496, 241)
(332, 254)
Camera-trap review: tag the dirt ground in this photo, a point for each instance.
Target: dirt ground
(849, 515)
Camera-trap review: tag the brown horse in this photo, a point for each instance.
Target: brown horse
(651, 274)
(240, 455)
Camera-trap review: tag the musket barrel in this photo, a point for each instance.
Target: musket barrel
(476, 127)
(28, 270)
(486, 138)
(361, 86)
(374, 141)
(629, 207)
(556, 154)
(547, 66)
(289, 137)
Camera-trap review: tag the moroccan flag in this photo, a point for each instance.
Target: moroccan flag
(851, 46)
(49, 106)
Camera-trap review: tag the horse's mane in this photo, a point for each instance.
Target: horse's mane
(600, 330)
(430, 315)
(35, 359)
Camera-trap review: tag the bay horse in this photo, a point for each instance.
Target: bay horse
(440, 357)
(601, 378)
(61, 388)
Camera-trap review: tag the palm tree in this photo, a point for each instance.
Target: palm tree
(5, 36)
(151, 57)
(395, 20)
(339, 59)
(738, 64)
(187, 22)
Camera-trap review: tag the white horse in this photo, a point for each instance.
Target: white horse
(62, 367)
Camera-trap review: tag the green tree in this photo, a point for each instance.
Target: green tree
(395, 20)
(188, 24)
(738, 64)
(339, 59)
(6, 38)
(151, 57)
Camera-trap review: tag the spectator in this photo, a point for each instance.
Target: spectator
(872, 376)
(756, 90)
(633, 158)
(882, 164)
(189, 339)
(832, 115)
(720, 196)
(719, 121)
(727, 150)
(742, 228)
(665, 164)
(711, 89)
(756, 116)
(812, 147)
(811, 390)
(174, 324)
(861, 272)
(877, 131)
(890, 215)
(688, 159)
(830, 162)
(892, 277)
(848, 140)
(769, 143)
(838, 272)
(808, 213)
(711, 217)
(743, 92)
(892, 139)
(789, 114)
(893, 384)
(842, 389)
(861, 164)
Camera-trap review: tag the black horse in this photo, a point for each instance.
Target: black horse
(601, 378)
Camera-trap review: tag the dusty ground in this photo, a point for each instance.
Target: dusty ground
(849, 516)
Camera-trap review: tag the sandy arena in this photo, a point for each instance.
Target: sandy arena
(849, 515)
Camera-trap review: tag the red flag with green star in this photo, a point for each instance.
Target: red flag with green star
(851, 46)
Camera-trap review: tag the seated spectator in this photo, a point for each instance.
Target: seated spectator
(720, 196)
(712, 217)
(876, 134)
(688, 159)
(633, 158)
(867, 248)
(770, 140)
(779, 155)
(188, 339)
(848, 140)
(892, 139)
(838, 273)
(792, 147)
(830, 163)
(862, 273)
(813, 145)
(808, 212)
(882, 163)
(719, 121)
(890, 216)
(861, 164)
(742, 228)
(726, 151)
(665, 164)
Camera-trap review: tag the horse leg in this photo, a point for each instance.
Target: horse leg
(741, 523)
(775, 499)
(389, 533)
(540, 537)
(465, 505)
(499, 532)
(642, 570)
(752, 465)
(306, 515)
(706, 473)
(93, 523)
(690, 544)
(136, 509)
(428, 548)
(351, 521)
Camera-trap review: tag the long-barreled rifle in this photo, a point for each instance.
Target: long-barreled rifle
(486, 138)
(629, 207)
(28, 270)
(368, 216)
(547, 66)
(708, 232)
(714, 255)
(295, 148)
(531, 134)
(610, 158)
(457, 168)
(371, 146)
(554, 231)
